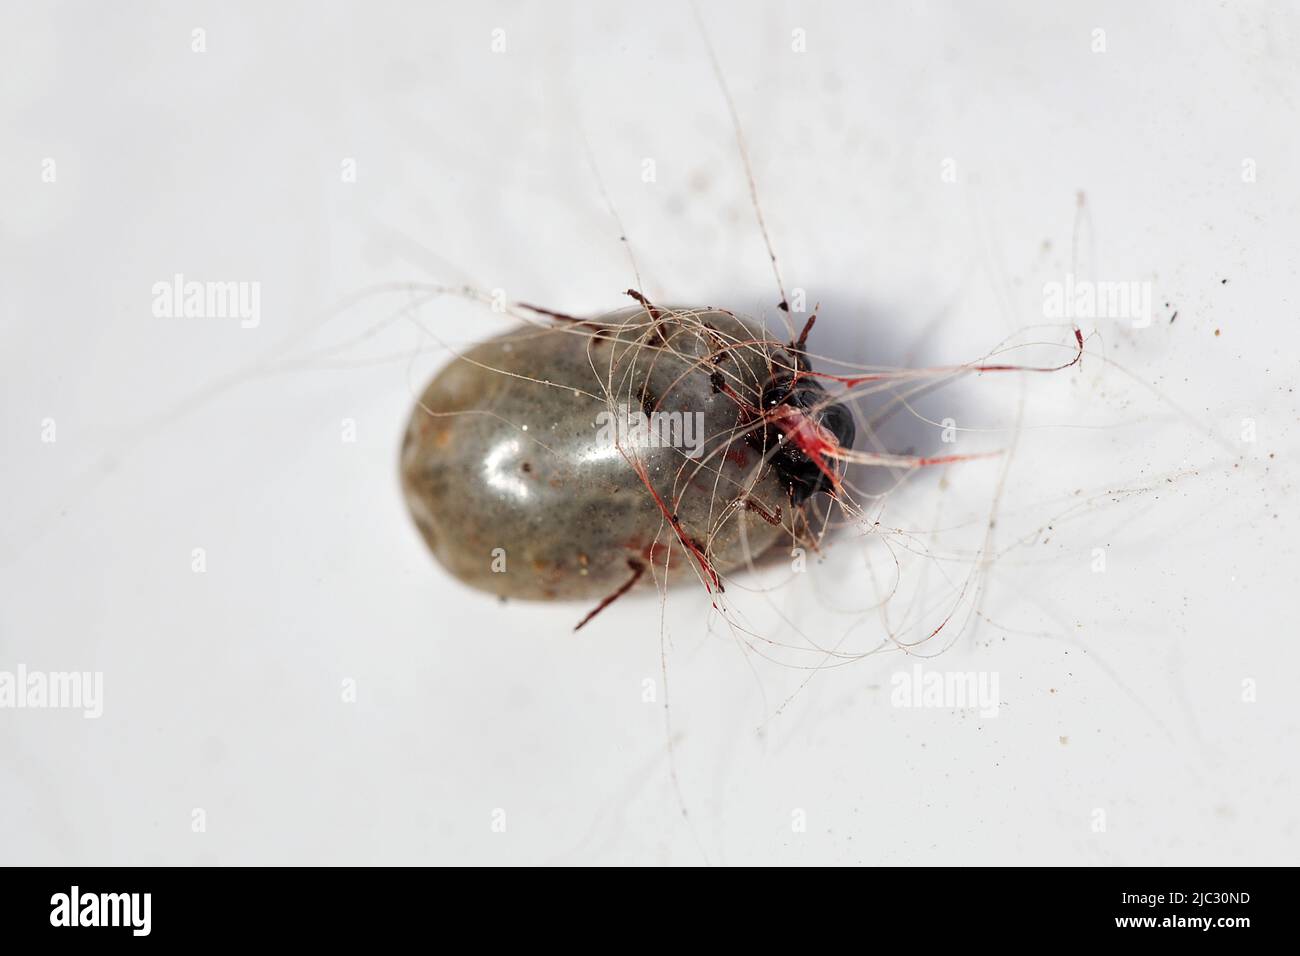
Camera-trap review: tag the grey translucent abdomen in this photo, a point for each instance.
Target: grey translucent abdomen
(523, 485)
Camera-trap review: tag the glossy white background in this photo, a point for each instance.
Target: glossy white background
(1121, 691)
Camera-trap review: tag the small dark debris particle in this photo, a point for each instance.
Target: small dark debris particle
(1172, 317)
(1223, 282)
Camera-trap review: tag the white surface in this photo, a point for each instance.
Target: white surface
(1122, 691)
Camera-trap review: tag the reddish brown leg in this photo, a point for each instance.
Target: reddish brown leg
(638, 569)
(645, 303)
(751, 504)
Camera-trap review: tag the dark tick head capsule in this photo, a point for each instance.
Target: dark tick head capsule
(805, 418)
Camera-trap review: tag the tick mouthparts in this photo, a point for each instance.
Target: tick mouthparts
(808, 458)
(809, 397)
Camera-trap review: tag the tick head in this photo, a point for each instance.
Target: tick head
(807, 427)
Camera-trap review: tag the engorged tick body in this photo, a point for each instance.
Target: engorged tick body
(519, 491)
